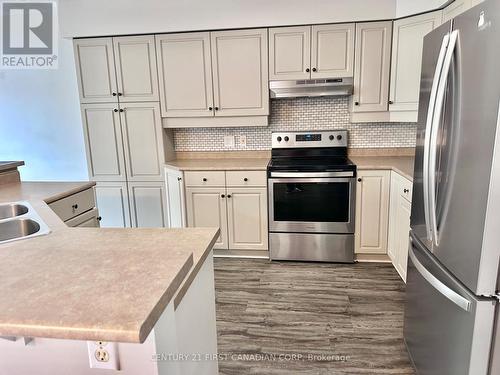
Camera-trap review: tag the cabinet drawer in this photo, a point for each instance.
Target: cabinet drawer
(89, 219)
(74, 205)
(205, 178)
(406, 189)
(246, 178)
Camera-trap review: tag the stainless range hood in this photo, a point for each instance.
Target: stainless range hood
(311, 88)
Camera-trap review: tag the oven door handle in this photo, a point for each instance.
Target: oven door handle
(312, 174)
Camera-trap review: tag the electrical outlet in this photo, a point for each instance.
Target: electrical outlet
(243, 141)
(103, 355)
(229, 141)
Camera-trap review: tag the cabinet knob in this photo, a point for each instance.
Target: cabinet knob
(204, 179)
(115, 110)
(245, 179)
(120, 94)
(216, 108)
(210, 108)
(99, 218)
(307, 70)
(359, 180)
(229, 195)
(391, 102)
(356, 103)
(406, 191)
(122, 110)
(74, 207)
(114, 94)
(222, 196)
(314, 69)
(179, 178)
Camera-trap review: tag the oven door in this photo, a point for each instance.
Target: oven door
(312, 205)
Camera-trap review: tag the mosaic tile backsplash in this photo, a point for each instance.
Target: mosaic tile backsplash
(300, 114)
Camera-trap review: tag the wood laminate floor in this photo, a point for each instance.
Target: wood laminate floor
(309, 318)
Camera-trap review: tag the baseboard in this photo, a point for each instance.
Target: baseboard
(250, 254)
(378, 258)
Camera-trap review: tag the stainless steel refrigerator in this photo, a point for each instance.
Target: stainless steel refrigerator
(452, 307)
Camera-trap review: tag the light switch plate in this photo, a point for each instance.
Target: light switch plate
(229, 141)
(103, 355)
(243, 141)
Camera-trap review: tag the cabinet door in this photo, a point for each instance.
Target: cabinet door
(147, 204)
(143, 141)
(289, 52)
(185, 73)
(404, 212)
(372, 212)
(95, 68)
(372, 66)
(407, 47)
(175, 198)
(103, 142)
(136, 73)
(455, 8)
(207, 207)
(89, 219)
(332, 52)
(112, 203)
(240, 72)
(392, 243)
(247, 218)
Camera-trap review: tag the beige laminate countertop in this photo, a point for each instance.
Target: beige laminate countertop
(401, 164)
(215, 164)
(91, 283)
(6, 165)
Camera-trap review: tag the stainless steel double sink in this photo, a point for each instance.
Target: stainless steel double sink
(18, 220)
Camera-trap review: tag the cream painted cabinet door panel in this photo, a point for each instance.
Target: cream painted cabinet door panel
(207, 207)
(176, 201)
(372, 66)
(332, 52)
(407, 47)
(95, 68)
(103, 142)
(372, 211)
(455, 8)
(403, 217)
(185, 73)
(112, 203)
(247, 218)
(240, 72)
(289, 52)
(143, 141)
(147, 204)
(392, 243)
(136, 72)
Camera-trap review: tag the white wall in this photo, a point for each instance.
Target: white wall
(408, 7)
(98, 17)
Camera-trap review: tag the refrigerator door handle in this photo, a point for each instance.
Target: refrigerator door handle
(437, 115)
(428, 130)
(454, 297)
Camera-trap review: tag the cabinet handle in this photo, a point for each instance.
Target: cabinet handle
(391, 102)
(245, 179)
(307, 70)
(359, 180)
(74, 207)
(99, 218)
(179, 178)
(314, 69)
(356, 103)
(210, 108)
(114, 94)
(216, 108)
(204, 179)
(115, 110)
(406, 191)
(229, 195)
(120, 94)
(222, 196)
(122, 110)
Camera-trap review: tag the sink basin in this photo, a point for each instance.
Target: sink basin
(17, 229)
(12, 210)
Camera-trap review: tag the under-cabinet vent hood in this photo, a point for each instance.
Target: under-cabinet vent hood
(311, 88)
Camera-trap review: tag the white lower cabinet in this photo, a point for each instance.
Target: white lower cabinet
(207, 207)
(176, 201)
(113, 205)
(147, 204)
(399, 225)
(89, 219)
(372, 211)
(247, 218)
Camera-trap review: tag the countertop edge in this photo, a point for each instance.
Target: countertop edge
(85, 185)
(8, 165)
(386, 168)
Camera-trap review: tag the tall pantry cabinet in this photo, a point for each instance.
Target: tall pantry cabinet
(124, 138)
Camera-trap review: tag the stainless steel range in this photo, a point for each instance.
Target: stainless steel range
(312, 192)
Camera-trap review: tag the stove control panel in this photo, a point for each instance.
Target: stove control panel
(310, 139)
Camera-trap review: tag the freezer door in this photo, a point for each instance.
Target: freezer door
(464, 156)
(447, 329)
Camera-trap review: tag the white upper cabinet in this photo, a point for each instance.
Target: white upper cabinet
(240, 72)
(455, 8)
(185, 74)
(372, 66)
(136, 73)
(289, 53)
(142, 141)
(332, 52)
(103, 142)
(407, 47)
(95, 70)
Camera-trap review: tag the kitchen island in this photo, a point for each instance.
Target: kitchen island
(139, 300)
